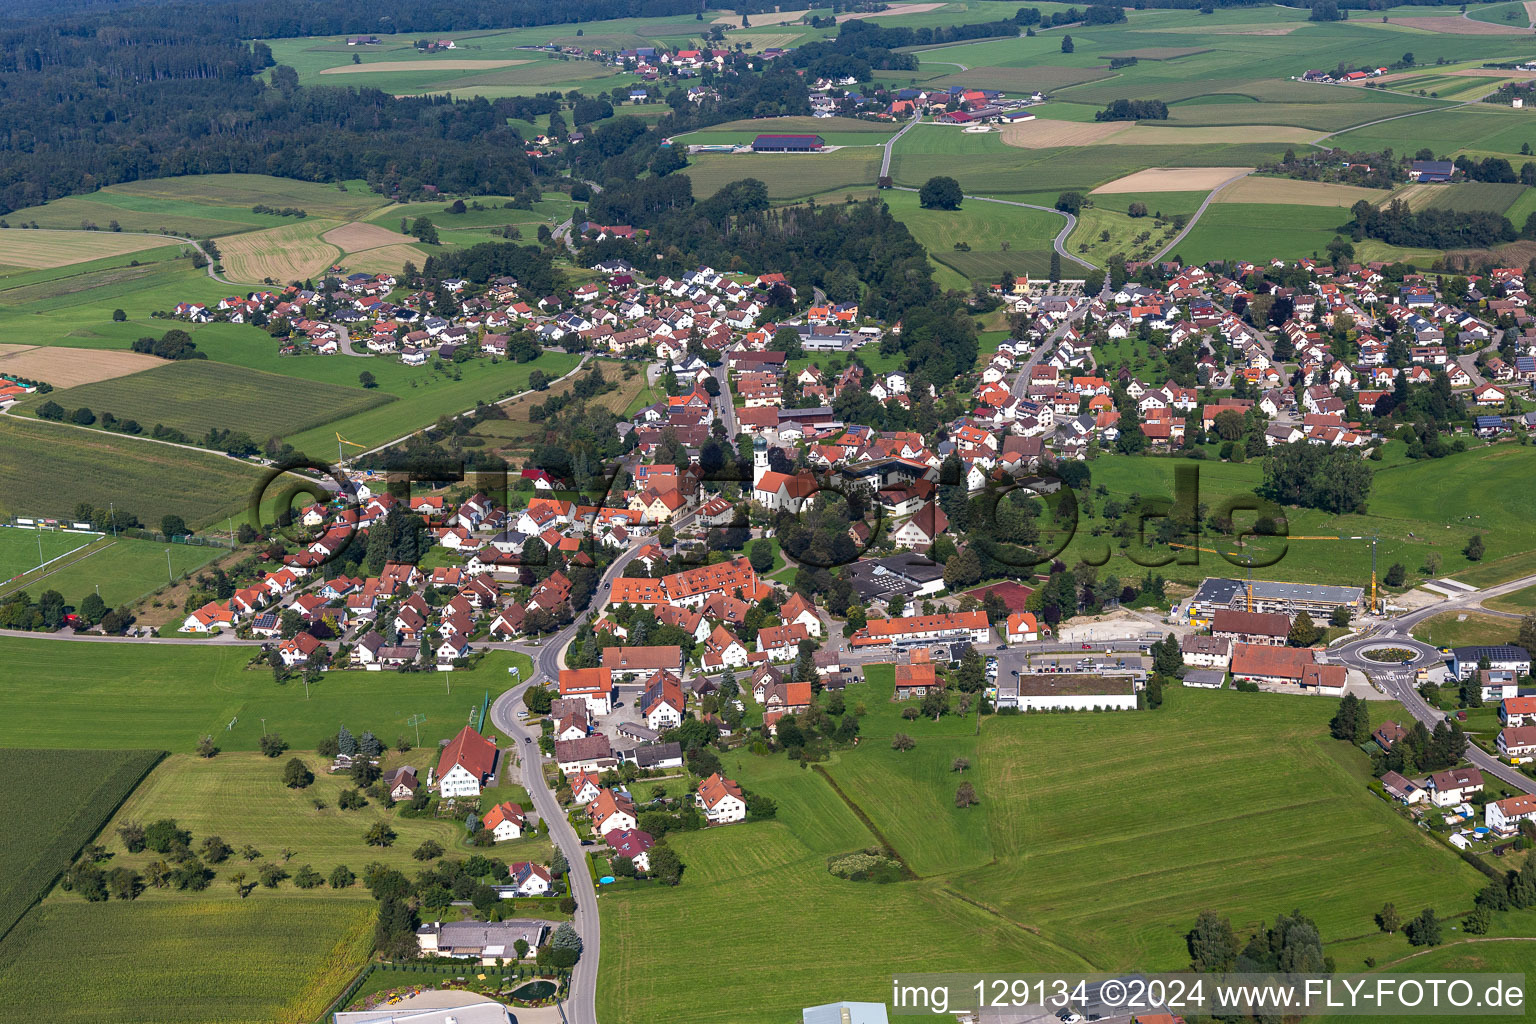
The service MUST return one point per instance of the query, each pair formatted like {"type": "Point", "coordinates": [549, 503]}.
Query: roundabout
{"type": "Point", "coordinates": [1392, 652]}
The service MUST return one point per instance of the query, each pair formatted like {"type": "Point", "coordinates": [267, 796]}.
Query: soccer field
{"type": "Point", "coordinates": [22, 549]}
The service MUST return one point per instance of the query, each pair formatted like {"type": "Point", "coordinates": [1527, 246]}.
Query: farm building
{"type": "Point", "coordinates": [1431, 170]}
{"type": "Point", "coordinates": [788, 144]}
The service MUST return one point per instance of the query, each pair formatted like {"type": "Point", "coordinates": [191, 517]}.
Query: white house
{"type": "Point", "coordinates": [529, 879]}
{"type": "Point", "coordinates": [1505, 816]}
{"type": "Point", "coordinates": [721, 800]}
{"type": "Point", "coordinates": [505, 821]}
{"type": "Point", "coordinates": [466, 763]}
{"type": "Point", "coordinates": [1447, 789]}
{"type": "Point", "coordinates": [1023, 628]}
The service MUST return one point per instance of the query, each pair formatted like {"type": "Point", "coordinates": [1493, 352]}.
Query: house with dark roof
{"type": "Point", "coordinates": [788, 144]}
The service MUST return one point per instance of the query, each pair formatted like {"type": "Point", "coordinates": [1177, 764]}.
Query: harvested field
{"type": "Point", "coordinates": [770, 18]}
{"type": "Point", "coordinates": [1172, 179]}
{"type": "Point", "coordinates": [392, 258]}
{"type": "Point", "coordinates": [1042, 134]}
{"type": "Point", "coordinates": [356, 236]}
{"type": "Point", "coordinates": [42, 248]}
{"type": "Point", "coordinates": [291, 252]}
{"type": "Point", "coordinates": [1530, 10]}
{"type": "Point", "coordinates": [1457, 26]}
{"type": "Point", "coordinates": [422, 65]}
{"type": "Point", "coordinates": [1157, 135]}
{"type": "Point", "coordinates": [70, 367]}
{"type": "Point", "coordinates": [1160, 52]}
{"type": "Point", "coordinates": [1238, 30]}
{"type": "Point", "coordinates": [1297, 193]}
{"type": "Point", "coordinates": [1492, 73]}
{"type": "Point", "coordinates": [891, 12]}
{"type": "Point", "coordinates": [1417, 197]}
{"type": "Point", "coordinates": [1021, 79]}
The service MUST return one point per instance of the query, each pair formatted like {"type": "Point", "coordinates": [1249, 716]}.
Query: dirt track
{"type": "Point", "coordinates": [421, 65]}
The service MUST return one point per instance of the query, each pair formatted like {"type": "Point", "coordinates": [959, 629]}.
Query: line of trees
{"type": "Point", "coordinates": [1133, 110]}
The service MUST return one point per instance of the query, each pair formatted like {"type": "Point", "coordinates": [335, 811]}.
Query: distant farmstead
{"type": "Point", "coordinates": [788, 144]}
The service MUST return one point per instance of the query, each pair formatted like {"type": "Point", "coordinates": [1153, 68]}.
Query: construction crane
{"type": "Point", "coordinates": [341, 441]}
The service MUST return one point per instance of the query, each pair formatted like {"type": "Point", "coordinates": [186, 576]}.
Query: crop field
{"type": "Point", "coordinates": [70, 796]}
{"type": "Point", "coordinates": [1018, 878]}
{"type": "Point", "coordinates": [294, 252]}
{"type": "Point", "coordinates": [1287, 191]}
{"type": "Point", "coordinates": [429, 64]}
{"type": "Point", "coordinates": [197, 395]}
{"type": "Point", "coordinates": [121, 569]}
{"type": "Point", "coordinates": [1171, 179]}
{"type": "Point", "coordinates": [985, 164]}
{"type": "Point", "coordinates": [94, 466]}
{"type": "Point", "coordinates": [480, 212]}
{"type": "Point", "coordinates": [19, 548]}
{"type": "Point", "coordinates": [801, 125]}
{"type": "Point", "coordinates": [52, 248]}
{"type": "Point", "coordinates": [787, 175]}
{"type": "Point", "coordinates": [65, 367]}
{"type": "Point", "coordinates": [213, 960]}
{"type": "Point", "coordinates": [199, 793]}
{"type": "Point", "coordinates": [111, 696]}
{"type": "Point", "coordinates": [1475, 197]}
{"type": "Point", "coordinates": [1479, 127]}
{"type": "Point", "coordinates": [357, 236]}
{"type": "Point", "coordinates": [1041, 77]}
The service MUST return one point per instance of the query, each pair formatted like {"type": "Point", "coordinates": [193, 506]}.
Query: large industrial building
{"type": "Point", "coordinates": [1316, 599]}
{"type": "Point", "coordinates": [788, 144]}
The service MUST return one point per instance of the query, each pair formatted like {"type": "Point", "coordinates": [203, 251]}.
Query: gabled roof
{"type": "Point", "coordinates": [474, 752]}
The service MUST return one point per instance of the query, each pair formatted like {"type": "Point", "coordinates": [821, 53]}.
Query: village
{"type": "Point", "coordinates": [679, 624]}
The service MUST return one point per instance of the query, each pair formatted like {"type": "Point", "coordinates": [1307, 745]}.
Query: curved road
{"type": "Point", "coordinates": [581, 1003]}
{"type": "Point", "coordinates": [1059, 242]}
{"type": "Point", "coordinates": [1189, 225]}
{"type": "Point", "coordinates": [1398, 682]}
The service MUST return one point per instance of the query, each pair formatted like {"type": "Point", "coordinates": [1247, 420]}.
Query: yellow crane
{"type": "Point", "coordinates": [341, 441]}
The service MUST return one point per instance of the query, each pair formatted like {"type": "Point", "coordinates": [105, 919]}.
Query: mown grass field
{"type": "Point", "coordinates": [121, 570]}
{"type": "Point", "coordinates": [1520, 601]}
{"type": "Point", "coordinates": [1073, 862]}
{"type": "Point", "coordinates": [112, 696]}
{"type": "Point", "coordinates": [1458, 629]}
{"type": "Point", "coordinates": [203, 205]}
{"type": "Point", "coordinates": [1260, 230]}
{"type": "Point", "coordinates": [46, 249]}
{"type": "Point", "coordinates": [198, 395]}
{"type": "Point", "coordinates": [425, 393]}
{"type": "Point", "coordinates": [787, 175]}
{"type": "Point", "coordinates": [199, 794]}
{"type": "Point", "coordinates": [19, 548]}
{"type": "Point", "coordinates": [70, 796]}
{"type": "Point", "coordinates": [49, 468]}
{"type": "Point", "coordinates": [213, 960]}
{"type": "Point", "coordinates": [1407, 497]}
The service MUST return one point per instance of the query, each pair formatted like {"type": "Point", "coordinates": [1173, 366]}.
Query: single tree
{"type": "Point", "coordinates": [940, 193]}
{"type": "Point", "coordinates": [1474, 548]}
{"type": "Point", "coordinates": [901, 741]}
{"type": "Point", "coordinates": [959, 764]}
{"type": "Point", "coordinates": [1387, 919]}
{"type": "Point", "coordinates": [965, 795]}
{"type": "Point", "coordinates": [1066, 44]}
{"type": "Point", "coordinates": [296, 774]}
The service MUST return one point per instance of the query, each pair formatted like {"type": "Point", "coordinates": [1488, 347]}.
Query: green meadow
{"type": "Point", "coordinates": [1417, 507]}
{"type": "Point", "coordinates": [1072, 860]}
{"type": "Point", "coordinates": [110, 696]}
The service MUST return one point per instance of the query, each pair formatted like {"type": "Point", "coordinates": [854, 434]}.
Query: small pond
{"type": "Point", "coordinates": [534, 991]}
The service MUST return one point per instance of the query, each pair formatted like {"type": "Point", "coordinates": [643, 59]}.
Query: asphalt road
{"type": "Point", "coordinates": [1400, 683]}
{"type": "Point", "coordinates": [1190, 224]}
{"type": "Point", "coordinates": [890, 144]}
{"type": "Point", "coordinates": [581, 1003]}
{"type": "Point", "coordinates": [1059, 242]}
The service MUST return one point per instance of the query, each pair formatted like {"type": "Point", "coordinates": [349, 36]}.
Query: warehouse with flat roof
{"type": "Point", "coordinates": [788, 144]}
